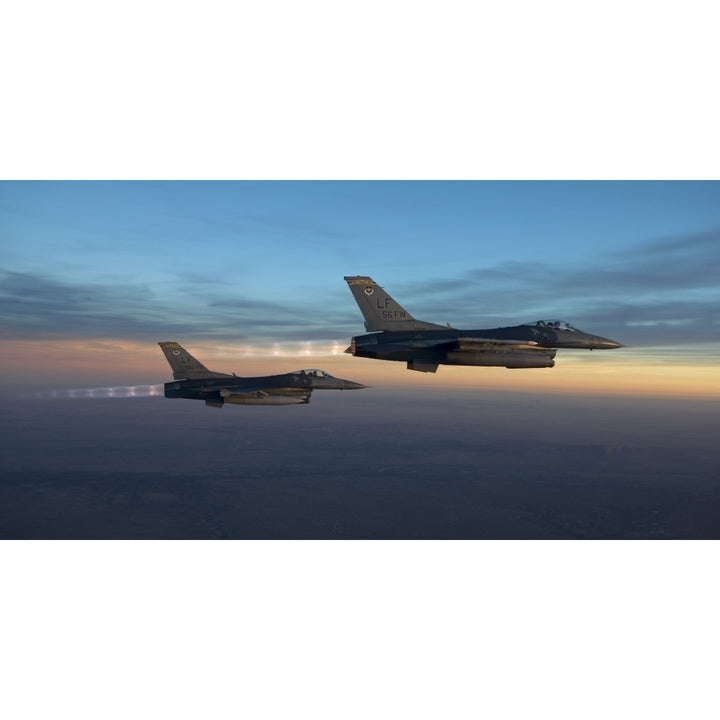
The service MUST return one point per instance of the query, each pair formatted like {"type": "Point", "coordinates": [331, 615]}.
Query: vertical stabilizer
{"type": "Point", "coordinates": [380, 311]}
{"type": "Point", "coordinates": [184, 365]}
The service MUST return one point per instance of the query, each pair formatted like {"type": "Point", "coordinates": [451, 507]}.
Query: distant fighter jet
{"type": "Point", "coordinates": [396, 335]}
{"type": "Point", "coordinates": [193, 380]}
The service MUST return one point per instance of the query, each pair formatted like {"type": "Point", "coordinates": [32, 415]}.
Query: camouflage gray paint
{"type": "Point", "coordinates": [194, 381]}
{"type": "Point", "coordinates": [394, 334]}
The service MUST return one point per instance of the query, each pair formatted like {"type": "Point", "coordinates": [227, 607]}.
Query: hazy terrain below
{"type": "Point", "coordinates": [370, 464]}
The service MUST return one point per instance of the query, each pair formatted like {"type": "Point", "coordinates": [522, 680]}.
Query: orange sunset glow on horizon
{"type": "Point", "coordinates": [60, 364]}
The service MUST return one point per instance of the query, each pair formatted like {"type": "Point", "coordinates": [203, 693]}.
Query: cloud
{"type": "Point", "coordinates": [36, 306]}
{"type": "Point", "coordinates": [657, 292]}
{"type": "Point", "coordinates": [32, 305]}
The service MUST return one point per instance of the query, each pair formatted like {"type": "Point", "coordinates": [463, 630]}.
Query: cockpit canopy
{"type": "Point", "coordinates": [552, 325]}
{"type": "Point", "coordinates": [314, 372]}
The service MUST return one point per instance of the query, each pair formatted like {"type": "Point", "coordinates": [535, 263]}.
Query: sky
{"type": "Point", "coordinates": [249, 275]}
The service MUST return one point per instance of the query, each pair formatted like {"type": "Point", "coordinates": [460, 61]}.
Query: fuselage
{"type": "Point", "coordinates": [520, 346]}
{"type": "Point", "coordinates": [294, 385]}
{"type": "Point", "coordinates": [544, 336]}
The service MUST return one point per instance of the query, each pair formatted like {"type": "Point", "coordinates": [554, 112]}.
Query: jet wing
{"type": "Point", "coordinates": [436, 343]}
{"type": "Point", "coordinates": [267, 392]}
{"type": "Point", "coordinates": [387, 348]}
{"type": "Point", "coordinates": [269, 396]}
{"type": "Point", "coordinates": [449, 343]}
{"type": "Point", "coordinates": [473, 343]}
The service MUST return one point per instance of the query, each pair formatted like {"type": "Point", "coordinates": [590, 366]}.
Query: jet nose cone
{"type": "Point", "coordinates": [333, 383]}
{"type": "Point", "coordinates": [350, 385]}
{"type": "Point", "coordinates": [602, 343]}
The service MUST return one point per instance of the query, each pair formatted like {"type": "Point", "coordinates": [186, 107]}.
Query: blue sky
{"type": "Point", "coordinates": [264, 261]}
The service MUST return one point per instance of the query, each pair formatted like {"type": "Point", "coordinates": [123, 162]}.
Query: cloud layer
{"type": "Point", "coordinates": [664, 291]}
{"type": "Point", "coordinates": [661, 291]}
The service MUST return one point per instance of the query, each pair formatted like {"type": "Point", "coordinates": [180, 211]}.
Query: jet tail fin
{"type": "Point", "coordinates": [184, 365]}
{"type": "Point", "coordinates": [380, 311]}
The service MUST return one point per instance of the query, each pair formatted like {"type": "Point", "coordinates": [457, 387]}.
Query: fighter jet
{"type": "Point", "coordinates": [193, 380]}
{"type": "Point", "coordinates": [396, 335]}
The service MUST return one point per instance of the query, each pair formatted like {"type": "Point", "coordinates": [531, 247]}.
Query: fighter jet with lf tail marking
{"type": "Point", "coordinates": [394, 334]}
{"type": "Point", "coordinates": [194, 381]}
